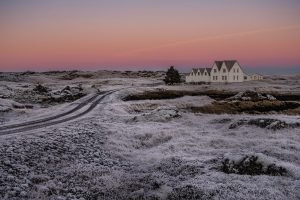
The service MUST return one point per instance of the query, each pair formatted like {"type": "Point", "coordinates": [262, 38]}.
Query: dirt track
{"type": "Point", "coordinates": [50, 121]}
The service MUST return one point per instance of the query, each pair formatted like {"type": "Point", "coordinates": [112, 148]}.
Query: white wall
{"type": "Point", "coordinates": [214, 73]}
{"type": "Point", "coordinates": [205, 78]}
{"type": "Point", "coordinates": [198, 77]}
{"type": "Point", "coordinates": [256, 77]}
{"type": "Point", "coordinates": [236, 74]}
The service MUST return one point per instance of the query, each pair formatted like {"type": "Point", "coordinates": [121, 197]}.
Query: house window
{"type": "Point", "coordinates": [225, 77]}
{"type": "Point", "coordinates": [224, 70]}
{"type": "Point", "coordinates": [215, 70]}
{"type": "Point", "coordinates": [205, 73]}
{"type": "Point", "coordinates": [233, 77]}
{"type": "Point", "coordinates": [237, 70]}
{"type": "Point", "coordinates": [237, 77]}
{"type": "Point", "coordinates": [198, 73]}
{"type": "Point", "coordinates": [216, 78]}
{"type": "Point", "coordinates": [233, 70]}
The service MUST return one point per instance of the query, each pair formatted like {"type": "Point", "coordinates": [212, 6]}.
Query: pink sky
{"type": "Point", "coordinates": [43, 35]}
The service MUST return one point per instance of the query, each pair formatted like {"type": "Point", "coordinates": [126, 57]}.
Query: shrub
{"type": "Point", "coordinates": [252, 165]}
{"type": "Point", "coordinates": [172, 76]}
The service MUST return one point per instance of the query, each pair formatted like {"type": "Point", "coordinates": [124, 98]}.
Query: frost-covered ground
{"type": "Point", "coordinates": [151, 149]}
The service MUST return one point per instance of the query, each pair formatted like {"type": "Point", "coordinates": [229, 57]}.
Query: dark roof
{"type": "Point", "coordinates": [219, 64]}
{"type": "Point", "coordinates": [228, 63]}
{"type": "Point", "coordinates": [201, 70]}
{"type": "Point", "coordinates": [208, 70]}
{"type": "Point", "coordinates": [195, 71]}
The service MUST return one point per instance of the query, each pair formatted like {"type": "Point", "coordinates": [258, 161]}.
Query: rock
{"type": "Point", "coordinates": [23, 194]}
{"type": "Point", "coordinates": [251, 96]}
{"type": "Point", "coordinates": [67, 94]}
{"type": "Point", "coordinates": [270, 97]}
{"type": "Point", "coordinates": [36, 179]}
{"type": "Point", "coordinates": [237, 124]}
{"type": "Point", "coordinates": [40, 89]}
{"type": "Point", "coordinates": [161, 114]}
{"type": "Point", "coordinates": [272, 124]}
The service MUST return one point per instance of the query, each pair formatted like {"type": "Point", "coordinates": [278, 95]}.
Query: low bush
{"type": "Point", "coordinates": [252, 165]}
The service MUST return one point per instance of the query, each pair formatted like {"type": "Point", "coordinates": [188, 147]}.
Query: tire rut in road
{"type": "Point", "coordinates": [81, 105]}
{"type": "Point", "coordinates": [51, 123]}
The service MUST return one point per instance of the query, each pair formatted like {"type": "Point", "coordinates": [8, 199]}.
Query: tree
{"type": "Point", "coordinates": [172, 76]}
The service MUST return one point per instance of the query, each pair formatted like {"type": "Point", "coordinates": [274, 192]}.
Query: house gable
{"type": "Point", "coordinates": [194, 72]}
{"type": "Point", "coordinates": [221, 71]}
{"type": "Point", "coordinates": [219, 64]}
{"type": "Point", "coordinates": [214, 69]}
{"type": "Point", "coordinates": [229, 64]}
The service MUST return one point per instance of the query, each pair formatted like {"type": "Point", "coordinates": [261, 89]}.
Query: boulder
{"type": "Point", "coordinates": [40, 89]}
{"type": "Point", "coordinates": [250, 95]}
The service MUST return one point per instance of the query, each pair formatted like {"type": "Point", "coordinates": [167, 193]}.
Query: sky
{"type": "Point", "coordinates": [147, 34]}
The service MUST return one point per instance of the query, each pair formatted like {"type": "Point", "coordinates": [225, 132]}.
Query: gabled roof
{"type": "Point", "coordinates": [219, 64]}
{"type": "Point", "coordinates": [228, 63]}
{"type": "Point", "coordinates": [208, 70]}
{"type": "Point", "coordinates": [201, 70]}
{"type": "Point", "coordinates": [195, 70]}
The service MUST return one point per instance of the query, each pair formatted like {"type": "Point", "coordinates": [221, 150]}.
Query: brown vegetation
{"type": "Point", "coordinates": [172, 94]}
{"type": "Point", "coordinates": [249, 107]}
{"type": "Point", "coordinates": [215, 94]}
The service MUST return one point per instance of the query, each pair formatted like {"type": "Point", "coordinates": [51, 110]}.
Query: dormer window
{"type": "Point", "coordinates": [215, 70]}
{"type": "Point", "coordinates": [205, 73]}
{"type": "Point", "coordinates": [237, 70]}
{"type": "Point", "coordinates": [224, 70]}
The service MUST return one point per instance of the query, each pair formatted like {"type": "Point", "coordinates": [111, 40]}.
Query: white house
{"type": "Point", "coordinates": [256, 77]}
{"type": "Point", "coordinates": [228, 71]}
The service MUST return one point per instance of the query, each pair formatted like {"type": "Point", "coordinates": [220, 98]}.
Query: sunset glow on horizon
{"type": "Point", "coordinates": [85, 35]}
